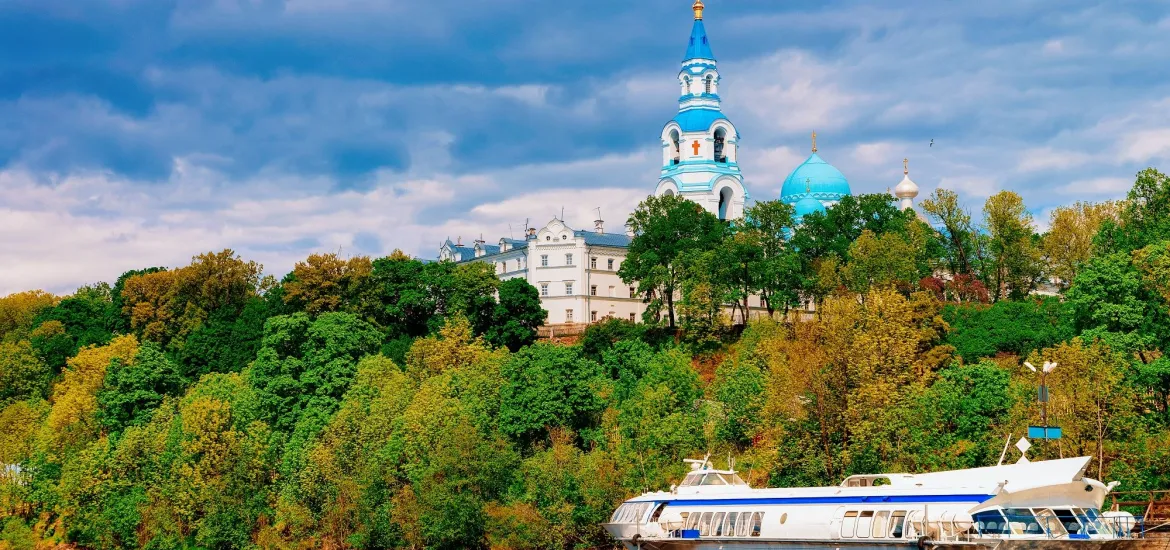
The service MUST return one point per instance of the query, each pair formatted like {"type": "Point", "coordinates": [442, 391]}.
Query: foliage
{"type": "Point", "coordinates": [391, 403]}
{"type": "Point", "coordinates": [1006, 327]}
{"type": "Point", "coordinates": [517, 316]}
{"type": "Point", "coordinates": [665, 229]}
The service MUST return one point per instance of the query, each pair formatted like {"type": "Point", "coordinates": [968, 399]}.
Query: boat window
{"type": "Point", "coordinates": [717, 525]}
{"type": "Point", "coordinates": [714, 479]}
{"type": "Point", "coordinates": [1069, 520]}
{"type": "Point", "coordinates": [879, 524]}
{"type": "Point", "coordinates": [1103, 526]}
{"type": "Point", "coordinates": [705, 525]}
{"type": "Point", "coordinates": [1050, 522]}
{"type": "Point", "coordinates": [897, 520]}
{"type": "Point", "coordinates": [1092, 526]}
{"type": "Point", "coordinates": [990, 522]}
{"type": "Point", "coordinates": [864, 524]}
{"type": "Point", "coordinates": [693, 521]}
{"type": "Point", "coordinates": [1022, 522]}
{"type": "Point", "coordinates": [741, 525]}
{"type": "Point", "coordinates": [690, 479]}
{"type": "Point", "coordinates": [617, 513]}
{"type": "Point", "coordinates": [657, 512]}
{"type": "Point", "coordinates": [849, 525]}
{"type": "Point", "coordinates": [734, 479]}
{"type": "Point", "coordinates": [730, 529]}
{"type": "Point", "coordinates": [757, 521]}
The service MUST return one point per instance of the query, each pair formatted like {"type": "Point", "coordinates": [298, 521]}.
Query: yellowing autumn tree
{"type": "Point", "coordinates": [1069, 240]}
{"type": "Point", "coordinates": [71, 421]}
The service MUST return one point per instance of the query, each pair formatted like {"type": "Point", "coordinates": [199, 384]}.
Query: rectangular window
{"type": "Point", "coordinates": [611, 292]}
{"type": "Point", "coordinates": [849, 525]}
{"type": "Point", "coordinates": [610, 261]}
{"type": "Point", "coordinates": [757, 522]}
{"type": "Point", "coordinates": [568, 289]}
{"type": "Point", "coordinates": [705, 525]}
{"type": "Point", "coordinates": [568, 316]}
{"type": "Point", "coordinates": [568, 259]}
{"type": "Point", "coordinates": [864, 524]}
{"type": "Point", "coordinates": [879, 524]}
{"type": "Point", "coordinates": [717, 525]}
{"type": "Point", "coordinates": [544, 289]}
{"type": "Point", "coordinates": [633, 317]}
{"type": "Point", "coordinates": [544, 260]}
{"type": "Point", "coordinates": [593, 290]}
{"type": "Point", "coordinates": [897, 520]}
{"type": "Point", "coordinates": [633, 292]}
{"type": "Point", "coordinates": [593, 316]}
{"type": "Point", "coordinates": [730, 529]}
{"type": "Point", "coordinates": [592, 263]}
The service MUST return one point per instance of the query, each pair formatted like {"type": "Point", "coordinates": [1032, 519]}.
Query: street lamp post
{"type": "Point", "coordinates": [1048, 367]}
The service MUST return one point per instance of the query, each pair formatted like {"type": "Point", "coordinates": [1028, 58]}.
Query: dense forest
{"type": "Point", "coordinates": [394, 403]}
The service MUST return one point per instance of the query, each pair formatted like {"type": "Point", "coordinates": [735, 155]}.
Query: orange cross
{"type": "Point", "coordinates": [696, 146]}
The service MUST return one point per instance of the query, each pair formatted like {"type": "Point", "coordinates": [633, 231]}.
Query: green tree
{"type": "Point", "coordinates": [1013, 267]}
{"type": "Point", "coordinates": [548, 386]}
{"type": "Point", "coordinates": [980, 330]}
{"type": "Point", "coordinates": [517, 316]}
{"type": "Point", "coordinates": [132, 390]}
{"type": "Point", "coordinates": [1109, 301]}
{"type": "Point", "coordinates": [665, 228]}
{"type": "Point", "coordinates": [760, 251]}
{"type": "Point", "coordinates": [1144, 217]}
{"type": "Point", "coordinates": [959, 234]}
{"type": "Point", "coordinates": [305, 365]}
{"type": "Point", "coordinates": [80, 320]}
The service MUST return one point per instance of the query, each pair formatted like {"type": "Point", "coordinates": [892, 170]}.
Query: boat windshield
{"type": "Point", "coordinates": [712, 478]}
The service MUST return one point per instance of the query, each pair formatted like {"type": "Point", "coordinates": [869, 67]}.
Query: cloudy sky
{"type": "Point", "coordinates": [142, 132]}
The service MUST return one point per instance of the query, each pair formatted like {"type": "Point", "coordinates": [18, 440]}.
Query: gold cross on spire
{"type": "Point", "coordinates": [905, 167]}
{"type": "Point", "coordinates": [814, 136]}
{"type": "Point", "coordinates": [698, 7]}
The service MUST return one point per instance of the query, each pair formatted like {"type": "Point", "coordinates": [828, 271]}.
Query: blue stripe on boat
{"type": "Point", "coordinates": [882, 499]}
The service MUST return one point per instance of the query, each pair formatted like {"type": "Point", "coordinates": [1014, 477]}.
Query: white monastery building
{"type": "Point", "coordinates": [575, 270]}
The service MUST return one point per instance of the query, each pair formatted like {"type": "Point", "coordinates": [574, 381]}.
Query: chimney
{"type": "Point", "coordinates": [480, 240]}
{"type": "Point", "coordinates": [599, 226]}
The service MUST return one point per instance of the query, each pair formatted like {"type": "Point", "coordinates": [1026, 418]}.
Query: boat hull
{"type": "Point", "coordinates": [1007, 544]}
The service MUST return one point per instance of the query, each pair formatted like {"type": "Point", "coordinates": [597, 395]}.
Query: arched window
{"type": "Point", "coordinates": [710, 83]}
{"type": "Point", "coordinates": [674, 151]}
{"type": "Point", "coordinates": [720, 137]}
{"type": "Point", "coordinates": [725, 196]}
{"type": "Point", "coordinates": [686, 85]}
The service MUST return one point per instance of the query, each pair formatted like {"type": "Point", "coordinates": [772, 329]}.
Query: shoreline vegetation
{"type": "Point", "coordinates": [391, 403]}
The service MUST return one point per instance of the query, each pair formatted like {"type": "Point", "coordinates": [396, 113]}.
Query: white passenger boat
{"type": "Point", "coordinates": [1044, 504]}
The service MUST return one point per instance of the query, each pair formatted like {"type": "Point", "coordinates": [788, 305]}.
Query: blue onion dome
{"type": "Point", "coordinates": [806, 206]}
{"type": "Point", "coordinates": [817, 179]}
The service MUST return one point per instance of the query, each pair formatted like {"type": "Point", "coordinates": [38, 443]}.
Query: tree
{"type": "Point", "coordinates": [943, 206]}
{"type": "Point", "coordinates": [1069, 241]}
{"type": "Point", "coordinates": [548, 386]}
{"type": "Point", "coordinates": [18, 311]}
{"type": "Point", "coordinates": [83, 319]}
{"type": "Point", "coordinates": [305, 365]}
{"type": "Point", "coordinates": [664, 229]}
{"type": "Point", "coordinates": [1014, 264]}
{"type": "Point", "coordinates": [71, 422]}
{"type": "Point", "coordinates": [978, 330]}
{"type": "Point", "coordinates": [1153, 262]}
{"type": "Point", "coordinates": [883, 261]}
{"type": "Point", "coordinates": [132, 390]}
{"type": "Point", "coordinates": [1145, 216]}
{"type": "Point", "coordinates": [1109, 301]}
{"type": "Point", "coordinates": [516, 316]}
{"type": "Point", "coordinates": [326, 282]}
{"type": "Point", "coordinates": [760, 249]}
{"type": "Point", "coordinates": [22, 373]}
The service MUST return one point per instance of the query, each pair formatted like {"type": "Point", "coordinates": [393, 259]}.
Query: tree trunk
{"type": "Point", "coordinates": [670, 303]}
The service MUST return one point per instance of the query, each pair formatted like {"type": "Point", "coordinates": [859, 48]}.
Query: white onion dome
{"type": "Point", "coordinates": [906, 189]}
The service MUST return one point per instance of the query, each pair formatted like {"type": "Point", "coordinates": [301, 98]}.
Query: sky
{"type": "Point", "coordinates": [139, 133]}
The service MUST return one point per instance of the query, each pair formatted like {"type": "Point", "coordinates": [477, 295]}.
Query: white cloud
{"type": "Point", "coordinates": [1048, 158]}
{"type": "Point", "coordinates": [1114, 187]}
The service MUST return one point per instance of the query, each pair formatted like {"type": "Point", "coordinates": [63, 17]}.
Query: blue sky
{"type": "Point", "coordinates": [142, 132]}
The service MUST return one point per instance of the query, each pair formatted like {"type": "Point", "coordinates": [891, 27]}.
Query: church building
{"type": "Point", "coordinates": [575, 270]}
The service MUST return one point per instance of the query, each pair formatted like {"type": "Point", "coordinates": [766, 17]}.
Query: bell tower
{"type": "Point", "coordinates": [700, 145]}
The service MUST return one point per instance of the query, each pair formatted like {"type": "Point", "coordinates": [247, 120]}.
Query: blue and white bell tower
{"type": "Point", "coordinates": [699, 145]}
